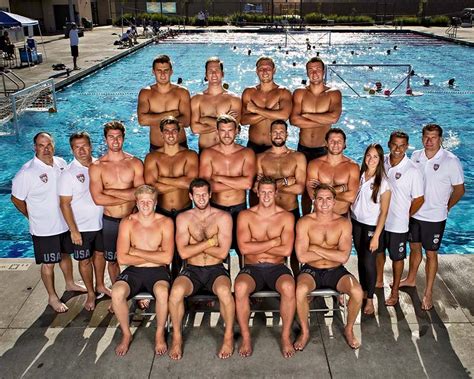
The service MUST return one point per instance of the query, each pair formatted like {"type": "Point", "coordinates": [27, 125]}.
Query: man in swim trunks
{"type": "Point", "coordinates": [114, 178]}
{"type": "Point", "coordinates": [265, 234]}
{"type": "Point", "coordinates": [212, 102]}
{"type": "Point", "coordinates": [406, 183]}
{"type": "Point", "coordinates": [230, 168]}
{"type": "Point", "coordinates": [315, 108]}
{"type": "Point", "coordinates": [323, 245]}
{"type": "Point", "coordinates": [82, 215]}
{"type": "Point", "coordinates": [335, 169]}
{"type": "Point", "coordinates": [161, 100]}
{"type": "Point", "coordinates": [170, 169]}
{"type": "Point", "coordinates": [145, 244]}
{"type": "Point", "coordinates": [262, 104]}
{"type": "Point", "coordinates": [203, 237]}
{"type": "Point", "coordinates": [35, 195]}
{"type": "Point", "coordinates": [288, 168]}
{"type": "Point", "coordinates": [444, 187]}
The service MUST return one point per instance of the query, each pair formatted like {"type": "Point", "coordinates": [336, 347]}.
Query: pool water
{"type": "Point", "coordinates": [111, 93]}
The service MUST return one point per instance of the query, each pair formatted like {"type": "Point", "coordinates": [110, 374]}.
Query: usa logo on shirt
{"type": "Point", "coordinates": [436, 166]}
{"type": "Point", "coordinates": [398, 175]}
{"type": "Point", "coordinates": [44, 178]}
{"type": "Point", "coordinates": [81, 178]}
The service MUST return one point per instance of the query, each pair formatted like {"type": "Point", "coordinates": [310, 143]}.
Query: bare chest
{"type": "Point", "coordinates": [278, 166]}
{"type": "Point", "coordinates": [117, 175]}
{"type": "Point", "coordinates": [163, 102]}
{"type": "Point", "coordinates": [315, 104]}
{"type": "Point", "coordinates": [171, 167]}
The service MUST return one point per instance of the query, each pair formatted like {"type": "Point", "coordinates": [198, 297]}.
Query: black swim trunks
{"type": "Point", "coordinates": [110, 228]}
{"type": "Point", "coordinates": [312, 152]}
{"type": "Point", "coordinates": [257, 148]}
{"type": "Point", "coordinates": [234, 211]}
{"type": "Point", "coordinates": [173, 213]}
{"type": "Point", "coordinates": [396, 244]}
{"type": "Point", "coordinates": [75, 51]}
{"type": "Point", "coordinates": [430, 234]}
{"type": "Point", "coordinates": [91, 241]}
{"type": "Point", "coordinates": [154, 147]}
{"type": "Point", "coordinates": [265, 275]}
{"type": "Point", "coordinates": [296, 213]}
{"type": "Point", "coordinates": [142, 279]}
{"type": "Point", "coordinates": [48, 249]}
{"type": "Point", "coordinates": [203, 277]}
{"type": "Point", "coordinates": [325, 277]}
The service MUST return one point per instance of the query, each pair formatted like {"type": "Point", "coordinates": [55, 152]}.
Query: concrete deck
{"type": "Point", "coordinates": [403, 341]}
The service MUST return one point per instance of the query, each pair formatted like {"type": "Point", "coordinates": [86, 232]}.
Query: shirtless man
{"type": "Point", "coordinates": [264, 103]}
{"type": "Point", "coordinates": [336, 170]}
{"type": "Point", "coordinates": [315, 108]}
{"type": "Point", "coordinates": [288, 168]}
{"type": "Point", "coordinates": [161, 100]}
{"type": "Point", "coordinates": [214, 101]}
{"type": "Point", "coordinates": [265, 235]}
{"type": "Point", "coordinates": [113, 180]}
{"type": "Point", "coordinates": [323, 244]}
{"type": "Point", "coordinates": [170, 170]}
{"type": "Point", "coordinates": [230, 168]}
{"type": "Point", "coordinates": [203, 237]}
{"type": "Point", "coordinates": [145, 244]}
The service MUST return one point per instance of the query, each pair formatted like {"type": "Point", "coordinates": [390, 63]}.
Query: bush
{"type": "Point", "coordinates": [314, 18]}
{"type": "Point", "coordinates": [440, 20]}
{"type": "Point", "coordinates": [319, 18]}
{"type": "Point", "coordinates": [408, 20]}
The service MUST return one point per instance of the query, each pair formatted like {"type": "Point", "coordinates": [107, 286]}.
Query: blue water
{"type": "Point", "coordinates": [111, 93]}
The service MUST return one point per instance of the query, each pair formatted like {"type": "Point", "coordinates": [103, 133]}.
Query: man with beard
{"type": "Point", "coordinates": [170, 169]}
{"type": "Point", "coordinates": [263, 104]}
{"type": "Point", "coordinates": [288, 168]}
{"type": "Point", "coordinates": [114, 178]}
{"type": "Point", "coordinates": [266, 233]}
{"type": "Point", "coordinates": [230, 168]}
{"type": "Point", "coordinates": [163, 99]}
{"type": "Point", "coordinates": [212, 102]}
{"type": "Point", "coordinates": [335, 169]}
{"type": "Point", "coordinates": [203, 238]}
{"type": "Point", "coordinates": [315, 108]}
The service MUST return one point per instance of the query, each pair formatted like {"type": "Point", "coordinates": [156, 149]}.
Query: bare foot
{"type": "Point", "coordinates": [104, 291]}
{"type": "Point", "coordinates": [245, 349]}
{"type": "Point", "coordinates": [74, 287]}
{"type": "Point", "coordinates": [407, 283]}
{"type": "Point", "coordinates": [57, 305]}
{"type": "Point", "coordinates": [123, 346]}
{"type": "Point", "coordinates": [379, 285]}
{"type": "Point", "coordinates": [369, 309]}
{"type": "Point", "coordinates": [426, 303]}
{"type": "Point", "coordinates": [392, 300]}
{"type": "Point", "coordinates": [90, 302]}
{"type": "Point", "coordinates": [176, 351]}
{"type": "Point", "coordinates": [301, 341]}
{"type": "Point", "coordinates": [160, 343]}
{"type": "Point", "coordinates": [287, 348]}
{"type": "Point", "coordinates": [143, 304]}
{"type": "Point", "coordinates": [350, 338]}
{"type": "Point", "coordinates": [227, 348]}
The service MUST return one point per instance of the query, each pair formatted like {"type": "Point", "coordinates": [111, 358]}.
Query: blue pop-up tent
{"type": "Point", "coordinates": [9, 20]}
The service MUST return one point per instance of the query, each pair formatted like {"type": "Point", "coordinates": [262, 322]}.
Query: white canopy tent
{"type": "Point", "coordinates": [8, 20]}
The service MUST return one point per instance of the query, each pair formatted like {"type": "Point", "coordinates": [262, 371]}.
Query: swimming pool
{"type": "Point", "coordinates": [111, 93]}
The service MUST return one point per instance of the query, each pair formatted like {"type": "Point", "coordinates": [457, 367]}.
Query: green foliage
{"type": "Point", "coordinates": [319, 18]}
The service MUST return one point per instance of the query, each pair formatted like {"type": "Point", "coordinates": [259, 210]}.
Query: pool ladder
{"type": "Point", "coordinates": [452, 31]}
{"type": "Point", "coordinates": [10, 77]}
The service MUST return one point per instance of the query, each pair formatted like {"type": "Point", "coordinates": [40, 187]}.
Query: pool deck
{"type": "Point", "coordinates": [401, 341]}
{"type": "Point", "coordinates": [96, 49]}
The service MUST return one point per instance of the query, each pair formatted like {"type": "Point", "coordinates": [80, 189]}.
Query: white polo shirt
{"type": "Point", "coordinates": [406, 183]}
{"type": "Point", "coordinates": [440, 173]}
{"type": "Point", "coordinates": [364, 210]}
{"type": "Point", "coordinates": [74, 182]}
{"type": "Point", "coordinates": [37, 184]}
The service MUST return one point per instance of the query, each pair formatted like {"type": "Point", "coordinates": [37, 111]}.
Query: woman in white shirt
{"type": "Point", "coordinates": [369, 212]}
